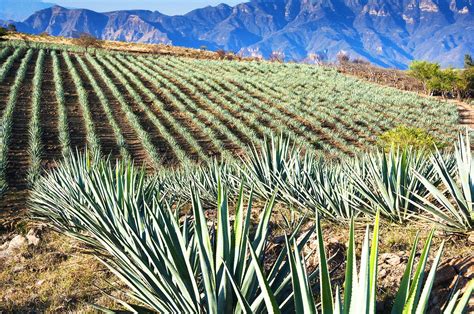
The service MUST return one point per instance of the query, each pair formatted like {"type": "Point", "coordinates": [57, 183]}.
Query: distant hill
{"type": "Point", "coordinates": [18, 10]}
{"type": "Point", "coordinates": [388, 33]}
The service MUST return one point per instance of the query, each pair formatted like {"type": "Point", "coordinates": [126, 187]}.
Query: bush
{"type": "Point", "coordinates": [88, 41]}
{"type": "Point", "coordinates": [3, 31]}
{"type": "Point", "coordinates": [466, 83]}
{"type": "Point", "coordinates": [406, 137]}
{"type": "Point", "coordinates": [11, 28]}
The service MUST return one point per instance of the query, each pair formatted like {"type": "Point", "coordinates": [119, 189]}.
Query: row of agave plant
{"type": "Point", "coordinates": [173, 262]}
{"type": "Point", "coordinates": [403, 185]}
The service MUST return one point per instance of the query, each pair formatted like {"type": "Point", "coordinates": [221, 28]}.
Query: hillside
{"type": "Point", "coordinates": [163, 111]}
{"type": "Point", "coordinates": [386, 33]}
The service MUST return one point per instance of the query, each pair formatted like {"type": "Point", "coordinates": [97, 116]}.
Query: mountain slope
{"type": "Point", "coordinates": [389, 33]}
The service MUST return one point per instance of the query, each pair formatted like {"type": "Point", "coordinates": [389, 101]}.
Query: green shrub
{"type": "Point", "coordinates": [3, 31]}
{"type": "Point", "coordinates": [406, 137]}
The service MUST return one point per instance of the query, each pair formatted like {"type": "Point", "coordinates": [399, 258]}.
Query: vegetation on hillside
{"type": "Point", "coordinates": [404, 137]}
{"type": "Point", "coordinates": [157, 112]}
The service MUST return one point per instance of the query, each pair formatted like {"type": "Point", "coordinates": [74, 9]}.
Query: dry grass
{"type": "Point", "coordinates": [55, 276]}
{"type": "Point", "coordinates": [125, 46]}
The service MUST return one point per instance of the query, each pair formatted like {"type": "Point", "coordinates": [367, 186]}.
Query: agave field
{"type": "Point", "coordinates": [167, 111]}
{"type": "Point", "coordinates": [171, 170]}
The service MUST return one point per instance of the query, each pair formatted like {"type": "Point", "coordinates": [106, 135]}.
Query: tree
{"type": "Point", "coordinates": [87, 41]}
{"type": "Point", "coordinates": [3, 31]}
{"type": "Point", "coordinates": [277, 56]}
{"type": "Point", "coordinates": [342, 57]}
{"type": "Point", "coordinates": [221, 53]}
{"type": "Point", "coordinates": [11, 28]}
{"type": "Point", "coordinates": [468, 62]}
{"type": "Point", "coordinates": [465, 84]}
{"type": "Point", "coordinates": [444, 82]}
{"type": "Point", "coordinates": [424, 71]}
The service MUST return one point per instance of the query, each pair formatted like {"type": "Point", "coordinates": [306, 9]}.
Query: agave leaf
{"type": "Point", "coordinates": [205, 254]}
{"type": "Point", "coordinates": [222, 247]}
{"type": "Point", "coordinates": [244, 305]}
{"type": "Point", "coordinates": [351, 271]}
{"type": "Point", "coordinates": [374, 252]}
{"type": "Point", "coordinates": [325, 281]}
{"type": "Point", "coordinates": [418, 277]}
{"type": "Point", "coordinates": [463, 303]}
{"type": "Point", "coordinates": [425, 294]}
{"type": "Point", "coordinates": [269, 298]}
{"type": "Point", "coordinates": [404, 289]}
{"type": "Point", "coordinates": [303, 297]}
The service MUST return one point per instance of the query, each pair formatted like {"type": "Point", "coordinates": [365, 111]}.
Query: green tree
{"type": "Point", "coordinates": [465, 84]}
{"type": "Point", "coordinates": [11, 28]}
{"type": "Point", "coordinates": [468, 62]}
{"type": "Point", "coordinates": [424, 71]}
{"type": "Point", "coordinates": [444, 82]}
{"type": "Point", "coordinates": [3, 31]}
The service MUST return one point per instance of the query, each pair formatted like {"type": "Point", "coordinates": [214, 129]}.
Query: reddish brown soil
{"type": "Point", "coordinates": [102, 127]}
{"type": "Point", "coordinates": [157, 140]}
{"type": "Point", "coordinates": [49, 116]}
{"type": "Point", "coordinates": [134, 146]}
{"type": "Point", "coordinates": [76, 125]}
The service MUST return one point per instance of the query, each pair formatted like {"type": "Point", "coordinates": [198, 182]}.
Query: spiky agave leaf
{"type": "Point", "coordinates": [455, 197]}
{"type": "Point", "coordinates": [170, 264]}
{"type": "Point", "coordinates": [390, 182]}
{"type": "Point", "coordinates": [266, 167]}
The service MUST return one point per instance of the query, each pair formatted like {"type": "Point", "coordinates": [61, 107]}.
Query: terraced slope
{"type": "Point", "coordinates": [166, 111]}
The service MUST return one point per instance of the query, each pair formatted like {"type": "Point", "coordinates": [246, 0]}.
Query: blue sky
{"type": "Point", "coordinates": [164, 6]}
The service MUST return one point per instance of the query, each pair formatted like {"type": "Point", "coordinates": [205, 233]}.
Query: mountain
{"type": "Point", "coordinates": [19, 10]}
{"type": "Point", "coordinates": [388, 33]}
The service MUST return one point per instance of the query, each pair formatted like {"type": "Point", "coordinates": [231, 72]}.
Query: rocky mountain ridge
{"type": "Point", "coordinates": [388, 33]}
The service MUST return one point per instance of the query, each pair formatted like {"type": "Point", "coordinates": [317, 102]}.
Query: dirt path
{"type": "Point", "coordinates": [466, 115]}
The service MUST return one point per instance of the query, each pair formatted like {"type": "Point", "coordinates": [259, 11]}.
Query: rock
{"type": "Point", "coordinates": [18, 268]}
{"type": "Point", "coordinates": [16, 243]}
{"type": "Point", "coordinates": [32, 237]}
{"type": "Point", "coordinates": [471, 237]}
{"type": "Point", "coordinates": [4, 246]}
{"type": "Point", "coordinates": [391, 259]}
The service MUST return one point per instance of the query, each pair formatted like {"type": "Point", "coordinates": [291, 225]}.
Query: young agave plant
{"type": "Point", "coordinates": [455, 197]}
{"type": "Point", "coordinates": [266, 168]}
{"type": "Point", "coordinates": [204, 179]}
{"type": "Point", "coordinates": [319, 186]}
{"type": "Point", "coordinates": [389, 183]}
{"type": "Point", "coordinates": [170, 263]}
{"type": "Point", "coordinates": [360, 286]}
